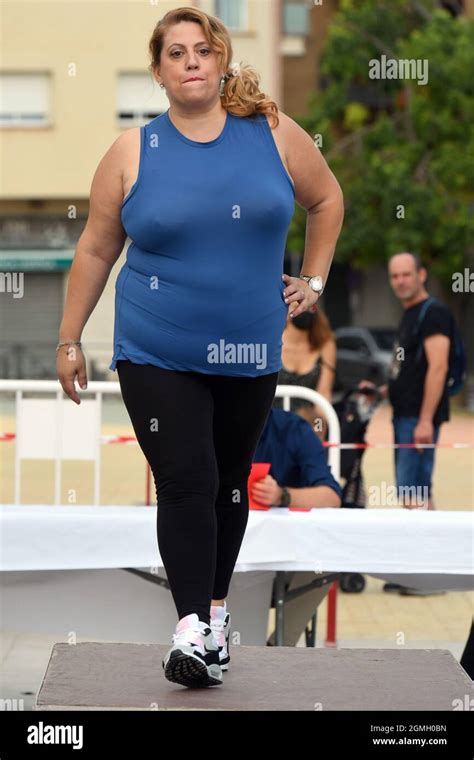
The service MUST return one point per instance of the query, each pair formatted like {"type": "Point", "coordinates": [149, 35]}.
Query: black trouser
{"type": "Point", "coordinates": [199, 434]}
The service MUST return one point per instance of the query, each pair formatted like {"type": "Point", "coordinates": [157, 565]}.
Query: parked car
{"type": "Point", "coordinates": [363, 353]}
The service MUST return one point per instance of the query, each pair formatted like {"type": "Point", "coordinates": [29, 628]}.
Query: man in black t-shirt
{"type": "Point", "coordinates": [407, 375]}
{"type": "Point", "coordinates": [417, 383]}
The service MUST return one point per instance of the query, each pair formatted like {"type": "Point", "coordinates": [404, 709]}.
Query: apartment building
{"type": "Point", "coordinates": [72, 77]}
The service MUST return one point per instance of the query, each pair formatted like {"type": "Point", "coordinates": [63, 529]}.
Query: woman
{"type": "Point", "coordinates": [309, 360]}
{"type": "Point", "coordinates": [206, 193]}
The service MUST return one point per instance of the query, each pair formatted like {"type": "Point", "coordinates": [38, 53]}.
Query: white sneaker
{"type": "Point", "coordinates": [220, 625]}
{"type": "Point", "coordinates": [193, 660]}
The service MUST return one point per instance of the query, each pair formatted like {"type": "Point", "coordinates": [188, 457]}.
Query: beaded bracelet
{"type": "Point", "coordinates": [68, 343]}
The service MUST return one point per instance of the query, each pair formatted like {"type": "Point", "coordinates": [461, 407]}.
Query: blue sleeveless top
{"type": "Point", "coordinates": [201, 288]}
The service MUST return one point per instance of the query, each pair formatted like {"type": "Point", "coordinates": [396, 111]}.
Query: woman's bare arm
{"type": "Point", "coordinates": [318, 191]}
{"type": "Point", "coordinates": [100, 243]}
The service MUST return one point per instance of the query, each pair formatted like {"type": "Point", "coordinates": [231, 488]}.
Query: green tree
{"type": "Point", "coordinates": [395, 143]}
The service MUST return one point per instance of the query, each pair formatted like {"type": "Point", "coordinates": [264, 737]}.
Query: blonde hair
{"type": "Point", "coordinates": [242, 95]}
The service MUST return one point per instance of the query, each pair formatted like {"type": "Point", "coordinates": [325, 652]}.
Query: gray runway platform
{"type": "Point", "coordinates": [127, 676]}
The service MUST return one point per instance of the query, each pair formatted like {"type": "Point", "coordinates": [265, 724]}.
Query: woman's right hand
{"type": "Point", "coordinates": [71, 365]}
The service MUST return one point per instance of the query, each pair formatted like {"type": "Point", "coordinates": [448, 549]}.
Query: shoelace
{"type": "Point", "coordinates": [217, 627]}
{"type": "Point", "coordinates": [217, 624]}
{"type": "Point", "coordinates": [183, 636]}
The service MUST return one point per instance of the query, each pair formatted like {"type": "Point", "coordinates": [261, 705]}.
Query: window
{"type": "Point", "coordinates": [296, 18]}
{"type": "Point", "coordinates": [361, 346]}
{"type": "Point", "coordinates": [232, 12]}
{"type": "Point", "coordinates": [345, 343]}
{"type": "Point", "coordinates": [24, 99]}
{"type": "Point", "coordinates": [139, 99]}
{"type": "Point", "coordinates": [384, 338]}
{"type": "Point", "coordinates": [352, 343]}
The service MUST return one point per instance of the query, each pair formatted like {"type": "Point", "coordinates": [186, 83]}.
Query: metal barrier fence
{"type": "Point", "coordinates": [55, 428]}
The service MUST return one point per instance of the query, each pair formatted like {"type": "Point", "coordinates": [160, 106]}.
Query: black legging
{"type": "Point", "coordinates": [199, 434]}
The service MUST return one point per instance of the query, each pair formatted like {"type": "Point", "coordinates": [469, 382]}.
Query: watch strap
{"type": "Point", "coordinates": [307, 278]}
{"type": "Point", "coordinates": [285, 497]}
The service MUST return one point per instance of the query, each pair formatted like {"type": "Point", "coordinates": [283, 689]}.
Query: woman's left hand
{"type": "Point", "coordinates": [298, 291]}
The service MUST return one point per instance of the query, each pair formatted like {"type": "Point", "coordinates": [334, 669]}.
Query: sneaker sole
{"type": "Point", "coordinates": [188, 670]}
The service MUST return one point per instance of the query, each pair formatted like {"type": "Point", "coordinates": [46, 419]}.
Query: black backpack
{"type": "Point", "coordinates": [457, 353]}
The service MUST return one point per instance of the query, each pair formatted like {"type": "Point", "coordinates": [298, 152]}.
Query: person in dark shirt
{"type": "Point", "coordinates": [417, 384]}
{"type": "Point", "coordinates": [299, 476]}
{"type": "Point", "coordinates": [407, 380]}
{"type": "Point", "coordinates": [298, 465]}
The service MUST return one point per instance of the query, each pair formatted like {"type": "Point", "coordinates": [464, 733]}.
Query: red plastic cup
{"type": "Point", "coordinates": [259, 470]}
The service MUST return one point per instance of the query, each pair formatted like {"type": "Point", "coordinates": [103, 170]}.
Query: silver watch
{"type": "Point", "coordinates": [315, 283]}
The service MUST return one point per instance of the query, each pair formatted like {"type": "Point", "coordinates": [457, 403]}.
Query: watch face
{"type": "Point", "coordinates": [316, 283]}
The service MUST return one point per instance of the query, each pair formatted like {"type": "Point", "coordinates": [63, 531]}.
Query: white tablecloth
{"type": "Point", "coordinates": [392, 543]}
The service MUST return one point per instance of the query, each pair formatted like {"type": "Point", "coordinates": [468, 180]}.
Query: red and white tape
{"type": "Point", "coordinates": [131, 439]}
{"type": "Point", "coordinates": [398, 445]}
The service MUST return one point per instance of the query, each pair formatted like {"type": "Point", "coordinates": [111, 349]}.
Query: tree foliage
{"type": "Point", "coordinates": [403, 152]}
